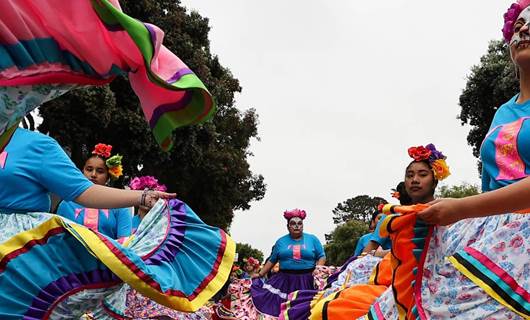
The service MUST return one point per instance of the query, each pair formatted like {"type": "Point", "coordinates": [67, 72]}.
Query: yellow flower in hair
{"type": "Point", "coordinates": [440, 169]}
{"type": "Point", "coordinates": [116, 171]}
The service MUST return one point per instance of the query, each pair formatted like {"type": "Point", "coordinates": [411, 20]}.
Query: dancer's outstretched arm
{"type": "Point", "coordinates": [511, 198]}
{"type": "Point", "coordinates": [104, 197]}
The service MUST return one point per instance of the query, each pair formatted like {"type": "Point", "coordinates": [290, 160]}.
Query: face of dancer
{"type": "Point", "coordinates": [249, 268]}
{"type": "Point", "coordinates": [420, 182]}
{"type": "Point", "coordinates": [520, 42]}
{"type": "Point", "coordinates": [96, 170]}
{"type": "Point", "coordinates": [296, 227]}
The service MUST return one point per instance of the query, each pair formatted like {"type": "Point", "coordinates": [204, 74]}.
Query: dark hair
{"type": "Point", "coordinates": [374, 215]}
{"type": "Point", "coordinates": [404, 198]}
{"type": "Point", "coordinates": [422, 161]}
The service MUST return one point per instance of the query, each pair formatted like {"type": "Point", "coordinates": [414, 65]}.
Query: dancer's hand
{"type": "Point", "coordinates": [150, 197]}
{"type": "Point", "coordinates": [443, 212]}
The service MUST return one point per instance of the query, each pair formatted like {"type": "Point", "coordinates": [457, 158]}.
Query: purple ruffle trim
{"type": "Point", "coordinates": [67, 286]}
{"type": "Point", "coordinates": [173, 242]}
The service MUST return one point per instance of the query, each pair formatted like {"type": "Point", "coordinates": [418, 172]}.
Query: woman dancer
{"type": "Point", "coordinates": [50, 267]}
{"type": "Point", "coordinates": [99, 168]}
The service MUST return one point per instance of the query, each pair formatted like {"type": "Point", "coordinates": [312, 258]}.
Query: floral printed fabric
{"type": "Point", "coordinates": [357, 272]}
{"type": "Point", "coordinates": [140, 307]}
{"type": "Point", "coordinates": [241, 304]}
{"type": "Point", "coordinates": [446, 293]}
{"type": "Point", "coordinates": [16, 102]}
{"type": "Point", "coordinates": [321, 274]}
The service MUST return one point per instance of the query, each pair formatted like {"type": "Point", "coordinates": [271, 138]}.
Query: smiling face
{"type": "Point", "coordinates": [420, 182]}
{"type": "Point", "coordinates": [520, 42]}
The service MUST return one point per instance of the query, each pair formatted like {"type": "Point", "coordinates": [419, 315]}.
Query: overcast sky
{"type": "Point", "coordinates": [342, 89]}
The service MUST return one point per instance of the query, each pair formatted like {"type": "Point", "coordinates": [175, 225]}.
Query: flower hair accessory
{"type": "Point", "coordinates": [435, 158]}
{"type": "Point", "coordinates": [115, 167]}
{"type": "Point", "coordinates": [236, 270]}
{"type": "Point", "coordinates": [395, 194]}
{"type": "Point", "coordinates": [147, 183]}
{"type": "Point", "coordinates": [252, 261]}
{"type": "Point", "coordinates": [102, 150]}
{"type": "Point", "coordinates": [289, 214]}
{"type": "Point", "coordinates": [511, 16]}
{"type": "Point", "coordinates": [113, 163]}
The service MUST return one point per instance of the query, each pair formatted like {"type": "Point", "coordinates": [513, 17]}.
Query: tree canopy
{"type": "Point", "coordinates": [245, 250]}
{"type": "Point", "coordinates": [490, 84]}
{"type": "Point", "coordinates": [457, 191]}
{"type": "Point", "coordinates": [342, 241]}
{"type": "Point", "coordinates": [358, 208]}
{"type": "Point", "coordinates": [207, 166]}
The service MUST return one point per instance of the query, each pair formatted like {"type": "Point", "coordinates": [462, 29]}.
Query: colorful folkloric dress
{"type": "Point", "coordinates": [297, 260]}
{"type": "Point", "coordinates": [135, 222]}
{"type": "Point", "coordinates": [51, 267]}
{"type": "Point", "coordinates": [476, 268]}
{"type": "Point", "coordinates": [365, 276]}
{"type": "Point", "coordinates": [358, 274]}
{"type": "Point", "coordinates": [115, 223]}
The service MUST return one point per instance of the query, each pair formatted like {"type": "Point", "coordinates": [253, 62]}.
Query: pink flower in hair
{"type": "Point", "coordinates": [511, 16]}
{"type": "Point", "coordinates": [509, 20]}
{"type": "Point", "coordinates": [294, 213]}
{"type": "Point", "coordinates": [252, 261]}
{"type": "Point", "coordinates": [146, 182]}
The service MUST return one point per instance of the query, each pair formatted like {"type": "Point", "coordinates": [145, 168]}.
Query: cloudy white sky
{"type": "Point", "coordinates": [342, 89]}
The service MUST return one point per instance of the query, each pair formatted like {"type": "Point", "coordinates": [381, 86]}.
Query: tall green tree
{"type": "Point", "coordinates": [357, 208]}
{"type": "Point", "coordinates": [342, 241]}
{"type": "Point", "coordinates": [457, 191]}
{"type": "Point", "coordinates": [207, 166]}
{"type": "Point", "coordinates": [490, 84]}
{"type": "Point", "coordinates": [245, 251]}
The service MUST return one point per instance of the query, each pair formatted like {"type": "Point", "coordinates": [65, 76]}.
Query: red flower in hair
{"type": "Point", "coordinates": [419, 153]}
{"type": "Point", "coordinates": [102, 150]}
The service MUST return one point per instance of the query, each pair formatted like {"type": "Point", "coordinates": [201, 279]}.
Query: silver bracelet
{"type": "Point", "coordinates": [144, 195]}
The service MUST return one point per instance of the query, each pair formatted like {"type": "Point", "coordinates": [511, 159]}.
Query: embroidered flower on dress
{"type": "Point", "coordinates": [516, 242]}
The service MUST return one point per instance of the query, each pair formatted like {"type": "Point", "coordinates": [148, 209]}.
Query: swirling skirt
{"type": "Point", "coordinates": [259, 300]}
{"type": "Point", "coordinates": [474, 269]}
{"type": "Point", "coordinates": [356, 279]}
{"type": "Point", "coordinates": [53, 268]}
{"type": "Point", "coordinates": [268, 295]}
